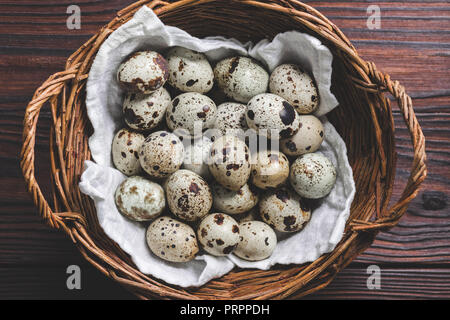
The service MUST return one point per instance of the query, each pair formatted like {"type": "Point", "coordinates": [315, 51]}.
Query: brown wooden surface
{"type": "Point", "coordinates": [413, 46]}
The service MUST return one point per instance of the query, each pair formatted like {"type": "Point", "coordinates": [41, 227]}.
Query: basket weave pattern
{"type": "Point", "coordinates": [363, 119]}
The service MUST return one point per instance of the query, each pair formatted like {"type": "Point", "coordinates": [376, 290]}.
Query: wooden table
{"type": "Point", "coordinates": [413, 46]}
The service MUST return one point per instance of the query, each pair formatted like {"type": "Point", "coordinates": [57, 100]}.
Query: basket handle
{"type": "Point", "coordinates": [418, 170]}
{"type": "Point", "coordinates": [50, 88]}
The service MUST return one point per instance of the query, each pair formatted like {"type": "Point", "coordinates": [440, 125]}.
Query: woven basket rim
{"type": "Point", "coordinates": [63, 91]}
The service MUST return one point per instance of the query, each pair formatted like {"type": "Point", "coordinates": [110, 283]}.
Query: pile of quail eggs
{"type": "Point", "coordinates": [234, 200]}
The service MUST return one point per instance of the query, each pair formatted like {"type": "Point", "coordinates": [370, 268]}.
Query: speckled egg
{"type": "Point", "coordinates": [218, 234]}
{"type": "Point", "coordinates": [172, 240]}
{"type": "Point", "coordinates": [308, 138]}
{"type": "Point", "coordinates": [229, 162]}
{"type": "Point", "coordinates": [241, 78]}
{"type": "Point", "coordinates": [270, 170]}
{"type": "Point", "coordinates": [196, 156]}
{"type": "Point", "coordinates": [284, 210]}
{"type": "Point", "coordinates": [144, 112]}
{"type": "Point", "coordinates": [234, 202]}
{"type": "Point", "coordinates": [267, 111]}
{"type": "Point", "coordinates": [231, 119]}
{"type": "Point", "coordinates": [296, 86]}
{"type": "Point", "coordinates": [143, 72]}
{"type": "Point", "coordinates": [312, 176]}
{"type": "Point", "coordinates": [258, 241]}
{"type": "Point", "coordinates": [190, 71]}
{"type": "Point", "coordinates": [140, 199]}
{"type": "Point", "coordinates": [125, 151]}
{"type": "Point", "coordinates": [188, 195]}
{"type": "Point", "coordinates": [190, 108]}
{"type": "Point", "coordinates": [161, 154]}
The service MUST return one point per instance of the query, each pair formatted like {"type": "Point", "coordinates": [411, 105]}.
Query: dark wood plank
{"type": "Point", "coordinates": [49, 282]}
{"type": "Point", "coordinates": [402, 283]}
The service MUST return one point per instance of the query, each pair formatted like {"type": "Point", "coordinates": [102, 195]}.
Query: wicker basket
{"type": "Point", "coordinates": [363, 119]}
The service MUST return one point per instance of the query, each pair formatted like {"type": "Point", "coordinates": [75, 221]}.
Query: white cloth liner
{"type": "Point", "coordinates": [100, 179]}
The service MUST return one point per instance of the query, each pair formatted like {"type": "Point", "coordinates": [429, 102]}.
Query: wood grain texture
{"type": "Point", "coordinates": [413, 46]}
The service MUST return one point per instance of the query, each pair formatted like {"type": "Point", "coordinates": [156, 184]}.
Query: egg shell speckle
{"type": "Point", "coordinates": [144, 112]}
{"type": "Point", "coordinates": [267, 111]}
{"type": "Point", "coordinates": [189, 108]}
{"type": "Point", "coordinates": [125, 151]}
{"type": "Point", "coordinates": [241, 78]}
{"type": "Point", "coordinates": [257, 241]}
{"type": "Point", "coordinates": [270, 170]}
{"type": "Point", "coordinates": [230, 162]}
{"type": "Point", "coordinates": [140, 199]}
{"type": "Point", "coordinates": [161, 154]}
{"type": "Point", "coordinates": [188, 195]}
{"type": "Point", "coordinates": [296, 86]}
{"type": "Point", "coordinates": [284, 210]}
{"type": "Point", "coordinates": [231, 119]}
{"type": "Point", "coordinates": [218, 234]}
{"type": "Point", "coordinates": [189, 70]}
{"type": "Point", "coordinates": [172, 240]}
{"type": "Point", "coordinates": [312, 176]}
{"type": "Point", "coordinates": [234, 202]}
{"type": "Point", "coordinates": [143, 72]}
{"type": "Point", "coordinates": [308, 138]}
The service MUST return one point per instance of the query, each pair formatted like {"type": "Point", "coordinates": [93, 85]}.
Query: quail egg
{"type": "Point", "coordinates": [312, 176]}
{"type": "Point", "coordinates": [196, 156]}
{"type": "Point", "coordinates": [172, 240]}
{"type": "Point", "coordinates": [234, 202]}
{"type": "Point", "coordinates": [190, 71]}
{"type": "Point", "coordinates": [161, 154]}
{"type": "Point", "coordinates": [270, 170]}
{"type": "Point", "coordinates": [143, 72]}
{"type": "Point", "coordinates": [231, 119]}
{"type": "Point", "coordinates": [241, 78]}
{"type": "Point", "coordinates": [125, 151]}
{"type": "Point", "coordinates": [258, 241]}
{"type": "Point", "coordinates": [284, 210]}
{"type": "Point", "coordinates": [308, 138]}
{"type": "Point", "coordinates": [296, 86]}
{"type": "Point", "coordinates": [189, 109]}
{"type": "Point", "coordinates": [272, 116]}
{"type": "Point", "coordinates": [229, 162]}
{"type": "Point", "coordinates": [188, 195]}
{"type": "Point", "coordinates": [144, 112]}
{"type": "Point", "coordinates": [218, 234]}
{"type": "Point", "coordinates": [140, 199]}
